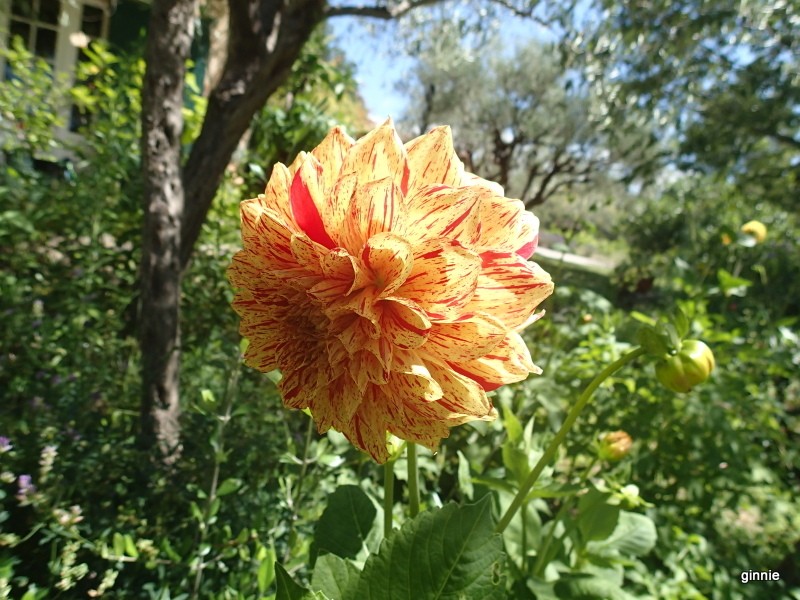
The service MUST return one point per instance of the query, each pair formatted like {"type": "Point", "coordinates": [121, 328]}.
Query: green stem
{"type": "Point", "coordinates": [552, 448]}
{"type": "Point", "coordinates": [222, 422]}
{"type": "Point", "coordinates": [413, 480]}
{"type": "Point", "coordinates": [551, 534]}
{"type": "Point", "coordinates": [388, 497]}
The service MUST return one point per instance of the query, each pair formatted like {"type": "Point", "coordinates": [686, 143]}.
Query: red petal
{"type": "Point", "coordinates": [305, 211]}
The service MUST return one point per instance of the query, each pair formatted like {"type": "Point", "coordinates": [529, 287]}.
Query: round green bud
{"type": "Point", "coordinates": [688, 367]}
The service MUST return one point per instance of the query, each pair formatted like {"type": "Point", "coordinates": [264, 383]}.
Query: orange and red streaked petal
{"type": "Point", "coordinates": [507, 227]}
{"type": "Point", "coordinates": [509, 362]}
{"type": "Point", "coordinates": [433, 160]}
{"type": "Point", "coordinates": [376, 207]}
{"type": "Point", "coordinates": [404, 323]}
{"type": "Point", "coordinates": [465, 339]}
{"type": "Point", "coordinates": [442, 211]}
{"type": "Point", "coordinates": [509, 288]}
{"type": "Point", "coordinates": [388, 260]}
{"type": "Point", "coordinates": [528, 235]}
{"type": "Point", "coordinates": [461, 395]}
{"type": "Point", "coordinates": [410, 381]}
{"type": "Point", "coordinates": [336, 403]}
{"type": "Point", "coordinates": [443, 278]}
{"type": "Point", "coordinates": [264, 234]}
{"type": "Point", "coordinates": [377, 155]}
{"type": "Point", "coordinates": [276, 194]}
{"type": "Point", "coordinates": [330, 153]}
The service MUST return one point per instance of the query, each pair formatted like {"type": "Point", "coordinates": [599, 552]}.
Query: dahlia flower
{"type": "Point", "coordinates": [388, 285]}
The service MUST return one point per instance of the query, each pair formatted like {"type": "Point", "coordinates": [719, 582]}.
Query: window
{"type": "Point", "coordinates": [55, 30]}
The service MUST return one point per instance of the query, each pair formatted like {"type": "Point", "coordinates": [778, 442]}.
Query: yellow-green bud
{"type": "Point", "coordinates": [691, 365]}
{"type": "Point", "coordinates": [614, 446]}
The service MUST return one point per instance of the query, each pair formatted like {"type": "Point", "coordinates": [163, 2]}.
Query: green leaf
{"type": "Point", "coordinates": [345, 523]}
{"type": "Point", "coordinates": [335, 577]}
{"type": "Point", "coordinates": [653, 341]}
{"type": "Point", "coordinates": [732, 285]}
{"type": "Point", "coordinates": [452, 552]}
{"type": "Point", "coordinates": [511, 424]}
{"type": "Point", "coordinates": [265, 575]}
{"type": "Point", "coordinates": [634, 535]}
{"type": "Point", "coordinates": [597, 519]}
{"type": "Point", "coordinates": [119, 544]}
{"type": "Point", "coordinates": [288, 589]}
{"type": "Point", "coordinates": [464, 478]}
{"type": "Point", "coordinates": [581, 586]}
{"type": "Point", "coordinates": [130, 547]}
{"type": "Point", "coordinates": [229, 486]}
{"type": "Point", "coordinates": [681, 322]}
{"type": "Point", "coordinates": [515, 460]}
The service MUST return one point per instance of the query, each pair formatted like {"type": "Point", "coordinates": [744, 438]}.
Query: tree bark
{"type": "Point", "coordinates": [169, 41]}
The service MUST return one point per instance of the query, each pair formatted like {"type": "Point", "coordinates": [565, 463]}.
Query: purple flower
{"type": "Point", "coordinates": [26, 488]}
{"type": "Point", "coordinates": [5, 444]}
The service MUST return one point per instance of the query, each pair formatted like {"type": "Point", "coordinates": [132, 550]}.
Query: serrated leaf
{"type": "Point", "coordinates": [345, 522]}
{"type": "Point", "coordinates": [452, 552]}
{"type": "Point", "coordinates": [335, 577]}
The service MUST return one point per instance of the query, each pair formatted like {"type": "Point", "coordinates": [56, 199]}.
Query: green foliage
{"type": "Point", "coordinates": [32, 103]}
{"type": "Point", "coordinates": [320, 94]}
{"type": "Point", "coordinates": [721, 85]}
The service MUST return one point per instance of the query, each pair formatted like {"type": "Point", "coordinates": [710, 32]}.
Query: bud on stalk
{"type": "Point", "coordinates": [688, 367]}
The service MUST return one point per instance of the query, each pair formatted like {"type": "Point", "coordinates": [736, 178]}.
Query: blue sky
{"type": "Point", "coordinates": [381, 60]}
{"type": "Point", "coordinates": [380, 64]}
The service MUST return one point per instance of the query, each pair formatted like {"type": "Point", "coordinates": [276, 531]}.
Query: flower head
{"type": "Point", "coordinates": [756, 229]}
{"type": "Point", "coordinates": [26, 489]}
{"type": "Point", "coordinates": [388, 285]}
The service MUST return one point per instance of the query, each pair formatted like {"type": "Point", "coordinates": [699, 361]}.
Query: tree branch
{"type": "Point", "coordinates": [376, 11]}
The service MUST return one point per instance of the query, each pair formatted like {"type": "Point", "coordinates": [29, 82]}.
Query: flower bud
{"type": "Point", "coordinates": [691, 365]}
{"type": "Point", "coordinates": [756, 229]}
{"type": "Point", "coordinates": [614, 446]}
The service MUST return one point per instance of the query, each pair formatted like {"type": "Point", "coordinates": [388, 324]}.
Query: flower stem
{"type": "Point", "coordinates": [541, 555]}
{"type": "Point", "coordinates": [388, 496]}
{"type": "Point", "coordinates": [413, 480]}
{"type": "Point", "coordinates": [552, 448]}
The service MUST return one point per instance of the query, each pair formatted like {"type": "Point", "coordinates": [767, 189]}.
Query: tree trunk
{"type": "Point", "coordinates": [265, 38]}
{"type": "Point", "coordinates": [169, 40]}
